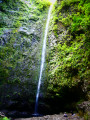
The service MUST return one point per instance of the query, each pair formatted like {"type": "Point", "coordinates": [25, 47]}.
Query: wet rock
{"type": "Point", "coordinates": [15, 114]}
{"type": "Point", "coordinates": [5, 37]}
{"type": "Point", "coordinates": [84, 106]}
{"type": "Point", "coordinates": [26, 31]}
{"type": "Point", "coordinates": [4, 111]}
{"type": "Point", "coordinates": [23, 30]}
{"type": "Point", "coordinates": [2, 114]}
{"type": "Point", "coordinates": [12, 113]}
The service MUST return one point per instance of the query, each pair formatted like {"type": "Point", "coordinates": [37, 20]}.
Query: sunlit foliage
{"type": "Point", "coordinates": [68, 62]}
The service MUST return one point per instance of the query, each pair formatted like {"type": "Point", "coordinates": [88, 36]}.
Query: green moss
{"type": "Point", "coordinates": [42, 4]}
{"type": "Point", "coordinates": [68, 60]}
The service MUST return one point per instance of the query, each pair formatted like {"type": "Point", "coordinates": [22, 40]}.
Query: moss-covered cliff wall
{"type": "Point", "coordinates": [22, 24]}
{"type": "Point", "coordinates": [68, 54]}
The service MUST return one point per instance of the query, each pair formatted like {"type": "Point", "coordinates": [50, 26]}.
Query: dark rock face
{"type": "Point", "coordinates": [21, 39]}
{"type": "Point", "coordinates": [84, 106]}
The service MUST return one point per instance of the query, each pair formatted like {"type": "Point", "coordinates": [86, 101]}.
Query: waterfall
{"type": "Point", "coordinates": [42, 60]}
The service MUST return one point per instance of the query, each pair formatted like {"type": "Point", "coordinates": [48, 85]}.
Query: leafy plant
{"type": "Point", "coordinates": [4, 118]}
{"type": "Point", "coordinates": [42, 4]}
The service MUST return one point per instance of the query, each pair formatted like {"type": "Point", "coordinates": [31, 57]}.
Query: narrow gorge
{"type": "Point", "coordinates": [44, 56]}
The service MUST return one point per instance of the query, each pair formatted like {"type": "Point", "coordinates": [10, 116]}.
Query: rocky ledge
{"type": "Point", "coordinates": [60, 116]}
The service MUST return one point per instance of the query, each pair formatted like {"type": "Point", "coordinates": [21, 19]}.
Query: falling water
{"type": "Point", "coordinates": [42, 60]}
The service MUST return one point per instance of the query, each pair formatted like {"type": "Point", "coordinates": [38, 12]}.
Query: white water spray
{"type": "Point", "coordinates": [43, 58]}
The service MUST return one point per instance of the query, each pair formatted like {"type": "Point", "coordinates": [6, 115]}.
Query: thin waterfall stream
{"type": "Point", "coordinates": [42, 59]}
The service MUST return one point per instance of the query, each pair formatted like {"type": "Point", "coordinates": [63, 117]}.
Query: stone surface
{"type": "Point", "coordinates": [54, 117]}
{"type": "Point", "coordinates": [84, 106]}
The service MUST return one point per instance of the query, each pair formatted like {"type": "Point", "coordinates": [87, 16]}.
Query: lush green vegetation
{"type": "Point", "coordinates": [13, 15]}
{"type": "Point", "coordinates": [4, 118]}
{"type": "Point", "coordinates": [68, 61]}
{"type": "Point", "coordinates": [42, 4]}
